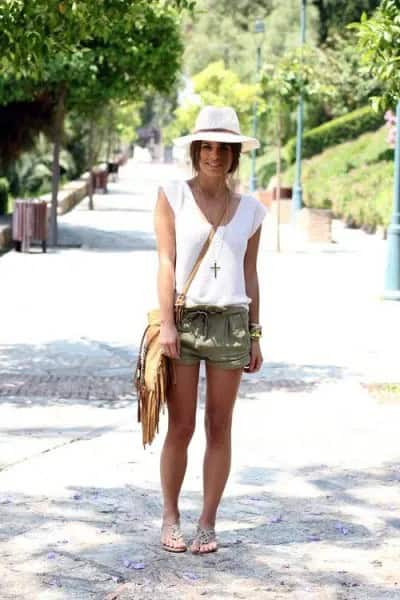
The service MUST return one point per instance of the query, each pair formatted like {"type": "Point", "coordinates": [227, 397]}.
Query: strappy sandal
{"type": "Point", "coordinates": [204, 535]}
{"type": "Point", "coordinates": [174, 534]}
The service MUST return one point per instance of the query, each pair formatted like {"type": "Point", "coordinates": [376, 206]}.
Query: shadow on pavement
{"type": "Point", "coordinates": [101, 374]}
{"type": "Point", "coordinates": [64, 372]}
{"type": "Point", "coordinates": [93, 238]}
{"type": "Point", "coordinates": [268, 543]}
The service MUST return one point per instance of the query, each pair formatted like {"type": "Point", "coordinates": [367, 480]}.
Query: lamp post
{"type": "Point", "coordinates": [392, 279]}
{"type": "Point", "coordinates": [259, 27]}
{"type": "Point", "coordinates": [297, 201]}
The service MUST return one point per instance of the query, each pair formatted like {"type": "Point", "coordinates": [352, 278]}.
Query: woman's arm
{"type": "Point", "coordinates": [250, 275]}
{"type": "Point", "coordinates": [164, 224]}
{"type": "Point", "coordinates": [252, 290]}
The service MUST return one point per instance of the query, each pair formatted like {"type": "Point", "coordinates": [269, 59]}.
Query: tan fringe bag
{"type": "Point", "coordinates": [154, 372]}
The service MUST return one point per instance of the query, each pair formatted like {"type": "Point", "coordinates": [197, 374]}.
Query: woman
{"type": "Point", "coordinates": [221, 317]}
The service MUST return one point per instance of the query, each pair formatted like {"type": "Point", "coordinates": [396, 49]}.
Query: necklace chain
{"type": "Point", "coordinates": [227, 198]}
{"type": "Point", "coordinates": [215, 268]}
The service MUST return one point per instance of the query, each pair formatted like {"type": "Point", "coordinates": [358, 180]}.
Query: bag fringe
{"type": "Point", "coordinates": [151, 401]}
{"type": "Point", "coordinates": [154, 375]}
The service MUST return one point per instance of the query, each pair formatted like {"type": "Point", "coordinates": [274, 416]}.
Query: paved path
{"type": "Point", "coordinates": [311, 510]}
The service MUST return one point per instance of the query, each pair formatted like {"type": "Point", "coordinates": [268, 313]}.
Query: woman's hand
{"type": "Point", "coordinates": [169, 340]}
{"type": "Point", "coordinates": [256, 358]}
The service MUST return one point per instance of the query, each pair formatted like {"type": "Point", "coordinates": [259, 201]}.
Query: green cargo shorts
{"type": "Point", "coordinates": [217, 334]}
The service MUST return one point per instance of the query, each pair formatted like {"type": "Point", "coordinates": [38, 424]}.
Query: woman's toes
{"type": "Point", "coordinates": [171, 537]}
{"type": "Point", "coordinates": [204, 548]}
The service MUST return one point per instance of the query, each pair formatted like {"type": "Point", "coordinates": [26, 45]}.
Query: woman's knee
{"type": "Point", "coordinates": [218, 431]}
{"type": "Point", "coordinates": [181, 432]}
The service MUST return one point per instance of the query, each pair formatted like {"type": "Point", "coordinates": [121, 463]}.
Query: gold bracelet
{"type": "Point", "coordinates": [255, 331]}
{"type": "Point", "coordinates": [255, 335]}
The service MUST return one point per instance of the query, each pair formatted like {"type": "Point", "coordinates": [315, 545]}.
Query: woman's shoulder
{"type": "Point", "coordinates": [174, 192]}
{"type": "Point", "coordinates": [172, 186]}
{"type": "Point", "coordinates": [256, 212]}
{"type": "Point", "coordinates": [253, 204]}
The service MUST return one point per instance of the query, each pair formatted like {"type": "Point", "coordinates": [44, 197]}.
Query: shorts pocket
{"type": "Point", "coordinates": [245, 321]}
{"type": "Point", "coordinates": [237, 328]}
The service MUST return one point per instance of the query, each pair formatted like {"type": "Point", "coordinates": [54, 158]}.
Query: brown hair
{"type": "Point", "coordinates": [195, 148]}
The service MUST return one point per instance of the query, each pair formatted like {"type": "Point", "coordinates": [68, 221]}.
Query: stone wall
{"type": "Point", "coordinates": [69, 195]}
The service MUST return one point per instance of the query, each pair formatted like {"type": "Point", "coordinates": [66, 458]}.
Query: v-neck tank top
{"type": "Point", "coordinates": [220, 279]}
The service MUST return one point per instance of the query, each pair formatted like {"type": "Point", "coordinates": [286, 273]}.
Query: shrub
{"type": "Point", "coordinates": [353, 179]}
{"type": "Point", "coordinates": [267, 171]}
{"type": "Point", "coordinates": [266, 166]}
{"type": "Point", "coordinates": [4, 188]}
{"type": "Point", "coordinates": [335, 132]}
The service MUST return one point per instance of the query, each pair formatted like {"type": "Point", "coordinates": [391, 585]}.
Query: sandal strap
{"type": "Point", "coordinates": [205, 535]}
{"type": "Point", "coordinates": [174, 531]}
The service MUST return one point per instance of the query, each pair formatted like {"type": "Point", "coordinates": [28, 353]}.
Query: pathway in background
{"type": "Point", "coordinates": [311, 507]}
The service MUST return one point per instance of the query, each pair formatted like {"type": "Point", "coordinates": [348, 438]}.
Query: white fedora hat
{"type": "Point", "coordinates": [218, 124]}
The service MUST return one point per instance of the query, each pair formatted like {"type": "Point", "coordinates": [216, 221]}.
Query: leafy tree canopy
{"type": "Point", "coordinates": [220, 35]}
{"type": "Point", "coordinates": [378, 39]}
{"type": "Point", "coordinates": [30, 32]}
{"type": "Point", "coordinates": [242, 12]}
{"type": "Point", "coordinates": [136, 46]}
{"type": "Point", "coordinates": [334, 15]}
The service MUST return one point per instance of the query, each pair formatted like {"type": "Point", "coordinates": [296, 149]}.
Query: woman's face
{"type": "Point", "coordinates": [215, 158]}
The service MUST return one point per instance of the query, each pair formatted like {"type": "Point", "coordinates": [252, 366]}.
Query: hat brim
{"type": "Point", "coordinates": [248, 143]}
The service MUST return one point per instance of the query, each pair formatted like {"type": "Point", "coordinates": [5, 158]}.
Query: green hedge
{"type": "Point", "coordinates": [268, 170]}
{"type": "Point", "coordinates": [353, 179]}
{"type": "Point", "coordinates": [4, 189]}
{"type": "Point", "coordinates": [335, 132]}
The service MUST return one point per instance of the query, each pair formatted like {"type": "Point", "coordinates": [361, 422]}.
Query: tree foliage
{"type": "Point", "coordinates": [225, 31]}
{"type": "Point", "coordinates": [352, 88]}
{"type": "Point", "coordinates": [334, 15]}
{"type": "Point", "coordinates": [136, 46]}
{"type": "Point", "coordinates": [243, 12]}
{"type": "Point", "coordinates": [31, 32]}
{"type": "Point", "coordinates": [86, 53]}
{"type": "Point", "coordinates": [378, 38]}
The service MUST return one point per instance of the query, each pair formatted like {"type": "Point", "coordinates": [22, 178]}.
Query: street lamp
{"type": "Point", "coordinates": [392, 280]}
{"type": "Point", "coordinates": [259, 27]}
{"type": "Point", "coordinates": [297, 201]}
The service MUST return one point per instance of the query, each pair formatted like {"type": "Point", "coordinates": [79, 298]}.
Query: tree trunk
{"type": "Point", "coordinates": [278, 181]}
{"type": "Point", "coordinates": [57, 136]}
{"type": "Point", "coordinates": [91, 180]}
{"type": "Point", "coordinates": [110, 135]}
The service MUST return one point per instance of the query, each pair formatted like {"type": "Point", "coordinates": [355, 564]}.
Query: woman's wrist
{"type": "Point", "coordinates": [255, 330]}
{"type": "Point", "coordinates": [167, 322]}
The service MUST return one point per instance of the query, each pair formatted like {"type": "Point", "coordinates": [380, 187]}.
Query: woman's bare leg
{"type": "Point", "coordinates": [182, 401]}
{"type": "Point", "coordinates": [222, 388]}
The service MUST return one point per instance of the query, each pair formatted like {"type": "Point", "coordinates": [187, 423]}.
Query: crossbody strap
{"type": "Point", "coordinates": [180, 300]}
{"type": "Point", "coordinates": [202, 254]}
{"type": "Point", "coordinates": [197, 264]}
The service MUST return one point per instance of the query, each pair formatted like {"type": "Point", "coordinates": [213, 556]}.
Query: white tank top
{"type": "Point", "coordinates": [220, 278]}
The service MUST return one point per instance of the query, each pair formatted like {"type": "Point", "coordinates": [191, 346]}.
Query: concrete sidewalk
{"type": "Point", "coordinates": [311, 507]}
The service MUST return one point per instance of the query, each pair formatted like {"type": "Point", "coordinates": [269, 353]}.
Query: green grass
{"type": "Point", "coordinates": [384, 392]}
{"type": "Point", "coordinates": [261, 161]}
{"type": "Point", "coordinates": [353, 179]}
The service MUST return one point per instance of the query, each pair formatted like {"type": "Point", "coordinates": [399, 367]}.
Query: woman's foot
{"type": "Point", "coordinates": [171, 537]}
{"type": "Point", "coordinates": [204, 541]}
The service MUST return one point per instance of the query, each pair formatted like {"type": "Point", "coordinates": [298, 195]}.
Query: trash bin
{"type": "Point", "coordinates": [29, 223]}
{"type": "Point", "coordinates": [112, 168]}
{"type": "Point", "coordinates": [99, 180]}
